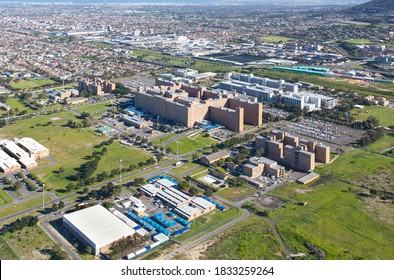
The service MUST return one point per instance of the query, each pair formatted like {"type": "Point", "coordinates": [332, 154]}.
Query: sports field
{"type": "Point", "coordinates": [187, 145]}
{"type": "Point", "coordinates": [385, 115]}
{"type": "Point", "coordinates": [31, 84]}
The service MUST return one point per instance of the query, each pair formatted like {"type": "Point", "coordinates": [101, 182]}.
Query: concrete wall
{"type": "Point", "coordinates": [322, 154]}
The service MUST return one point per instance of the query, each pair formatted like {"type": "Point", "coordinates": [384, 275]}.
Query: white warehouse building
{"type": "Point", "coordinates": [97, 227]}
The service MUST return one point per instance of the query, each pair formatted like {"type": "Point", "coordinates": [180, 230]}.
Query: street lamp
{"type": "Point", "coordinates": [177, 159]}
{"type": "Point", "coordinates": [120, 171]}
{"type": "Point", "coordinates": [43, 199]}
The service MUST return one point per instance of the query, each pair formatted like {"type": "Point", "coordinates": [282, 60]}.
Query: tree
{"type": "Point", "coordinates": [195, 156]}
{"type": "Point", "coordinates": [70, 187]}
{"type": "Point", "coordinates": [54, 207]}
{"type": "Point", "coordinates": [208, 192]}
{"type": "Point", "coordinates": [61, 204]}
{"type": "Point", "coordinates": [17, 185]}
{"type": "Point", "coordinates": [159, 157]}
{"type": "Point", "coordinates": [259, 152]}
{"type": "Point", "coordinates": [139, 181]}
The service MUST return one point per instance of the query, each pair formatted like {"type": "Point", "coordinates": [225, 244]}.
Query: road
{"type": "Point", "coordinates": [204, 238]}
{"type": "Point", "coordinates": [58, 238]}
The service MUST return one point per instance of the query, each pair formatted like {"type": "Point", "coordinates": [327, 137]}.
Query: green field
{"type": "Point", "coordinates": [336, 219]}
{"type": "Point", "coordinates": [185, 168]}
{"type": "Point", "coordinates": [4, 198]}
{"type": "Point", "coordinates": [385, 115]}
{"type": "Point", "coordinates": [362, 168]}
{"type": "Point", "coordinates": [187, 145]}
{"type": "Point", "coordinates": [31, 84]}
{"type": "Point", "coordinates": [6, 252]}
{"type": "Point", "coordinates": [251, 239]}
{"type": "Point", "coordinates": [387, 141]}
{"type": "Point", "coordinates": [30, 243]}
{"type": "Point", "coordinates": [274, 39]}
{"type": "Point", "coordinates": [236, 193]}
{"type": "Point", "coordinates": [209, 222]}
{"type": "Point", "coordinates": [95, 108]}
{"type": "Point", "coordinates": [358, 41]}
{"type": "Point", "coordinates": [23, 206]}
{"type": "Point", "coordinates": [162, 139]}
{"type": "Point", "coordinates": [69, 147]}
{"type": "Point", "coordinates": [15, 103]}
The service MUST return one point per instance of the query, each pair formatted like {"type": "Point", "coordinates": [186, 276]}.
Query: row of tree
{"type": "Point", "coordinates": [20, 223]}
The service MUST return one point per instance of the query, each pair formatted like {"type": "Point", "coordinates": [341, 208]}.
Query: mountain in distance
{"type": "Point", "coordinates": [375, 7]}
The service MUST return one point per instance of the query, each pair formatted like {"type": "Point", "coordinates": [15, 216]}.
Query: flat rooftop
{"type": "Point", "coordinates": [99, 225]}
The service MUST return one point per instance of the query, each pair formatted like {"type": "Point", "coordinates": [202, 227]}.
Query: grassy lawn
{"type": "Point", "coordinates": [23, 206]}
{"type": "Point", "coordinates": [251, 239]}
{"type": "Point", "coordinates": [335, 219]}
{"type": "Point", "coordinates": [363, 168]}
{"type": "Point", "coordinates": [162, 139]}
{"type": "Point", "coordinates": [382, 144]}
{"type": "Point", "coordinates": [184, 168]}
{"type": "Point", "coordinates": [69, 147]}
{"type": "Point", "coordinates": [4, 198]}
{"type": "Point", "coordinates": [236, 193]}
{"type": "Point", "coordinates": [358, 41]}
{"type": "Point", "coordinates": [383, 114]}
{"type": "Point", "coordinates": [274, 39]}
{"type": "Point", "coordinates": [6, 252]}
{"type": "Point", "coordinates": [95, 108]}
{"type": "Point", "coordinates": [193, 143]}
{"type": "Point", "coordinates": [30, 243]}
{"type": "Point", "coordinates": [116, 152]}
{"type": "Point", "coordinates": [31, 84]}
{"type": "Point", "coordinates": [15, 103]}
{"type": "Point", "coordinates": [209, 222]}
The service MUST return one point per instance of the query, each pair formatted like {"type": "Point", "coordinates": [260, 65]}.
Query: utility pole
{"type": "Point", "coordinates": [157, 123]}
{"type": "Point", "coordinates": [177, 159]}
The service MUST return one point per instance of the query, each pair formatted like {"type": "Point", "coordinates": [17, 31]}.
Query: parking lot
{"type": "Point", "coordinates": [324, 131]}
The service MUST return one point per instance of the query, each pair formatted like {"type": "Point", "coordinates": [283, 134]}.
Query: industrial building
{"type": "Point", "coordinates": [134, 121]}
{"type": "Point", "coordinates": [35, 149]}
{"type": "Point", "coordinates": [188, 105]}
{"type": "Point", "coordinates": [275, 91]}
{"type": "Point", "coordinates": [293, 152]}
{"type": "Point", "coordinates": [7, 163]}
{"type": "Point", "coordinates": [20, 153]}
{"type": "Point", "coordinates": [96, 86]}
{"type": "Point", "coordinates": [97, 227]}
{"type": "Point", "coordinates": [184, 205]}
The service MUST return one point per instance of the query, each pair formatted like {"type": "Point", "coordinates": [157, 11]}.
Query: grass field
{"type": "Point", "coordinates": [251, 239]}
{"type": "Point", "coordinates": [6, 252]}
{"type": "Point", "coordinates": [385, 115]}
{"type": "Point", "coordinates": [335, 219]}
{"type": "Point", "coordinates": [362, 168]}
{"type": "Point", "coordinates": [95, 108]}
{"type": "Point", "coordinates": [358, 41]}
{"type": "Point", "coordinates": [69, 147]}
{"type": "Point", "coordinates": [4, 198]}
{"type": "Point", "coordinates": [30, 243]}
{"type": "Point", "coordinates": [23, 206]}
{"type": "Point", "coordinates": [208, 222]}
{"type": "Point", "coordinates": [274, 39]}
{"type": "Point", "coordinates": [185, 168]}
{"type": "Point", "coordinates": [31, 84]}
{"type": "Point", "coordinates": [387, 141]}
{"type": "Point", "coordinates": [15, 103]}
{"type": "Point", "coordinates": [236, 193]}
{"type": "Point", "coordinates": [162, 139]}
{"type": "Point", "coordinates": [193, 143]}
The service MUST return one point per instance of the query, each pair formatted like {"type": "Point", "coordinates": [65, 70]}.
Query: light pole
{"type": "Point", "coordinates": [120, 171]}
{"type": "Point", "coordinates": [157, 123]}
{"type": "Point", "coordinates": [43, 197]}
{"type": "Point", "coordinates": [177, 159]}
